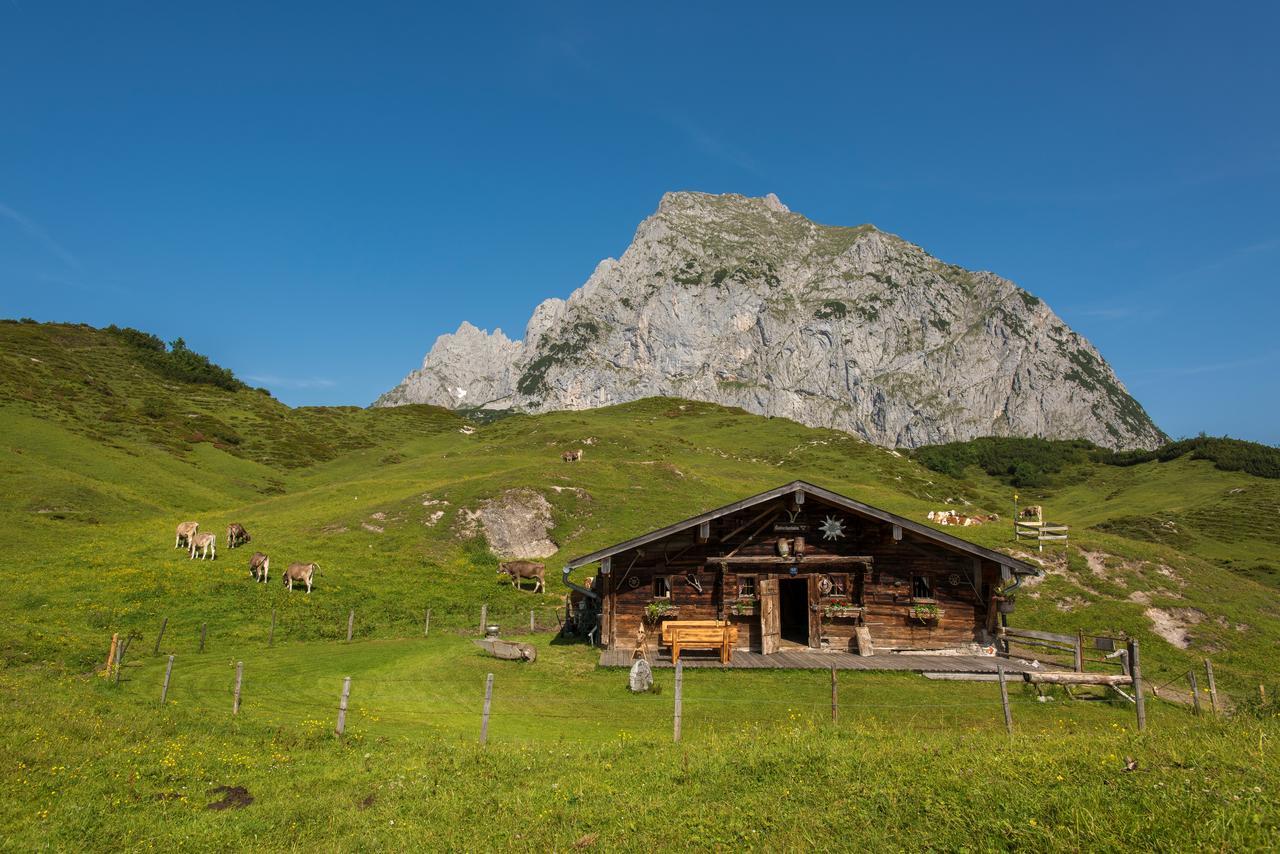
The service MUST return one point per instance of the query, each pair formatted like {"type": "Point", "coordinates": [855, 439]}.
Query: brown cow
{"type": "Point", "coordinates": [303, 573]}
{"type": "Point", "coordinates": [1031, 513]}
{"type": "Point", "coordinates": [186, 531]}
{"type": "Point", "coordinates": [519, 570]}
{"type": "Point", "coordinates": [237, 535]}
{"type": "Point", "coordinates": [259, 567]}
{"type": "Point", "coordinates": [572, 456]}
{"type": "Point", "coordinates": [206, 544]}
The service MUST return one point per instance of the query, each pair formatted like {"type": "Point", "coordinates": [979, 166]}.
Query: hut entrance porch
{"type": "Point", "coordinates": [793, 610]}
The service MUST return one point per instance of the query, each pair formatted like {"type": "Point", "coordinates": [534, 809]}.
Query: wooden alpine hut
{"type": "Point", "coordinates": [796, 568]}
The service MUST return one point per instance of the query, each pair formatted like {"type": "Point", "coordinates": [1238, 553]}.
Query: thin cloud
{"type": "Point", "coordinates": [291, 382]}
{"type": "Point", "coordinates": [33, 230]}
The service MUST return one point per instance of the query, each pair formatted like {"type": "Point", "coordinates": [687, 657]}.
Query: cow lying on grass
{"type": "Point", "coordinates": [259, 567]}
{"type": "Point", "coordinates": [303, 573]}
{"type": "Point", "coordinates": [206, 544]}
{"type": "Point", "coordinates": [186, 531]}
{"type": "Point", "coordinates": [519, 570]}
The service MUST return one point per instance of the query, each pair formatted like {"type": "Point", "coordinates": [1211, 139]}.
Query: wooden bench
{"type": "Point", "coordinates": [715, 635]}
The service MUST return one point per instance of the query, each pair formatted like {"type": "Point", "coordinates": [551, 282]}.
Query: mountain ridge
{"type": "Point", "coordinates": [739, 301]}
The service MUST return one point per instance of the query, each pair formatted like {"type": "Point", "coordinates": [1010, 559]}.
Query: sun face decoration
{"type": "Point", "coordinates": [832, 528]}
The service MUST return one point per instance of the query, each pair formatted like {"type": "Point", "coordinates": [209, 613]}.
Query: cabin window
{"type": "Point", "coordinates": [661, 587]}
{"type": "Point", "coordinates": [746, 585]}
{"type": "Point", "coordinates": [839, 584]}
{"type": "Point", "coordinates": [921, 587]}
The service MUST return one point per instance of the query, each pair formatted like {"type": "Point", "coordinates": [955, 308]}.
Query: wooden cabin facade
{"type": "Point", "coordinates": [800, 566]}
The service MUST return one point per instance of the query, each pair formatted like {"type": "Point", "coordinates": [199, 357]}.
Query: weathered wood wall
{"type": "Point", "coordinates": [961, 584]}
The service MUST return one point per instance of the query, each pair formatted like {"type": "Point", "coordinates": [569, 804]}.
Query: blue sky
{"type": "Point", "coordinates": [311, 192]}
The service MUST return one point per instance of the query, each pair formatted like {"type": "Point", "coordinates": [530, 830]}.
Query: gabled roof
{"type": "Point", "coordinates": [1017, 566]}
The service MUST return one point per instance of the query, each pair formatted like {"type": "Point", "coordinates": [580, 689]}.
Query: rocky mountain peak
{"type": "Point", "coordinates": [737, 300]}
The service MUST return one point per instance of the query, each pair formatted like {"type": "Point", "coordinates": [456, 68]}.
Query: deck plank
{"type": "Point", "coordinates": [818, 660]}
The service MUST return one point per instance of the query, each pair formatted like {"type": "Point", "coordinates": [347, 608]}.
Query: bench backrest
{"type": "Point", "coordinates": [669, 625]}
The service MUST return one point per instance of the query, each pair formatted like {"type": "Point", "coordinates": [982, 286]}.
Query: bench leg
{"type": "Point", "coordinates": [675, 652]}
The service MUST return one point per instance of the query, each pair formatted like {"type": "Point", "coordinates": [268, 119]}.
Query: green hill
{"type": "Point", "coordinates": [105, 451]}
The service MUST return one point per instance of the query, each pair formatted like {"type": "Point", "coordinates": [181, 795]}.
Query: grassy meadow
{"type": "Point", "coordinates": [103, 456]}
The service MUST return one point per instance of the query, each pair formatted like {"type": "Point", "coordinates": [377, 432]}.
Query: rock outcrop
{"type": "Point", "coordinates": [741, 302]}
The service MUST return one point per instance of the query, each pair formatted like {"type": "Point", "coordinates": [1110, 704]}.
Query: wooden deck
{"type": "Point", "coordinates": [802, 659]}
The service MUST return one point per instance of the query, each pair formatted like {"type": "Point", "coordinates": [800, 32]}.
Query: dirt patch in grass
{"type": "Point", "coordinates": [233, 798]}
{"type": "Point", "coordinates": [1174, 624]}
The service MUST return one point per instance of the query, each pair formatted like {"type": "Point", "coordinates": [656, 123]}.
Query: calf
{"type": "Point", "coordinates": [236, 535]}
{"type": "Point", "coordinates": [206, 544]}
{"type": "Point", "coordinates": [259, 567]}
{"type": "Point", "coordinates": [186, 531]}
{"type": "Point", "coordinates": [303, 573]}
{"type": "Point", "coordinates": [519, 570]}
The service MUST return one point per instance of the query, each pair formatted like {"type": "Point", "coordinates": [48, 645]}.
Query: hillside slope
{"type": "Point", "coordinates": [741, 302]}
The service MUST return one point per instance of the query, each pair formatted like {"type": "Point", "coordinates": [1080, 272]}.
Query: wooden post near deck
{"type": "Point", "coordinates": [1213, 686]}
{"type": "Point", "coordinates": [484, 715]}
{"type": "Point", "coordinates": [679, 698]}
{"type": "Point", "coordinates": [1195, 691]}
{"type": "Point", "coordinates": [164, 692]}
{"type": "Point", "coordinates": [1004, 699]}
{"type": "Point", "coordinates": [202, 631]}
{"type": "Point", "coordinates": [342, 707]}
{"type": "Point", "coordinates": [351, 624]}
{"type": "Point", "coordinates": [235, 703]}
{"type": "Point", "coordinates": [160, 635]}
{"type": "Point", "coordinates": [835, 699]}
{"type": "Point", "coordinates": [1135, 674]}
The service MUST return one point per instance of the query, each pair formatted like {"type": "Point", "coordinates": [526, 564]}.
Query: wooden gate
{"type": "Point", "coordinates": [770, 625]}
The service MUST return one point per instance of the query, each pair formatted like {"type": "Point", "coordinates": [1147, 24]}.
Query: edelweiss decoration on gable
{"type": "Point", "coordinates": [832, 528]}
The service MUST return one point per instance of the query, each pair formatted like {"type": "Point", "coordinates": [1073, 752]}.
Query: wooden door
{"type": "Point", "coordinates": [770, 625]}
{"type": "Point", "coordinates": [815, 611]}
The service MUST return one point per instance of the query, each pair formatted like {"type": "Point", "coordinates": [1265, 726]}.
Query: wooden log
{"type": "Point", "coordinates": [676, 721]}
{"type": "Point", "coordinates": [351, 624]}
{"type": "Point", "coordinates": [1195, 691]}
{"type": "Point", "coordinates": [202, 631]}
{"type": "Point", "coordinates": [484, 715]}
{"type": "Point", "coordinates": [835, 700]}
{"type": "Point", "coordinates": [271, 633]}
{"type": "Point", "coordinates": [160, 635]}
{"type": "Point", "coordinates": [235, 702]}
{"type": "Point", "coordinates": [1213, 686]}
{"type": "Point", "coordinates": [1004, 699]}
{"type": "Point", "coordinates": [168, 670]}
{"type": "Point", "coordinates": [1135, 673]}
{"type": "Point", "coordinates": [1070, 678]}
{"type": "Point", "coordinates": [342, 707]}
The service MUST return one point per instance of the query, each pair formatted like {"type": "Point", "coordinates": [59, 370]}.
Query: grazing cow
{"type": "Point", "coordinates": [572, 456]}
{"type": "Point", "coordinates": [237, 535]}
{"type": "Point", "coordinates": [1031, 513]}
{"type": "Point", "coordinates": [303, 573]}
{"type": "Point", "coordinates": [186, 531]}
{"type": "Point", "coordinates": [519, 570]}
{"type": "Point", "coordinates": [259, 567]}
{"type": "Point", "coordinates": [206, 544]}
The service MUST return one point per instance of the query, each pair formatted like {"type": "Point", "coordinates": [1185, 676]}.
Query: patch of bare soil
{"type": "Point", "coordinates": [1174, 624]}
{"type": "Point", "coordinates": [233, 798]}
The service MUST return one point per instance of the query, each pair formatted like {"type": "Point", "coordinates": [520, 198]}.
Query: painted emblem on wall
{"type": "Point", "coordinates": [832, 528]}
{"type": "Point", "coordinates": [633, 582]}
{"type": "Point", "coordinates": [954, 579]}
{"type": "Point", "coordinates": [825, 585]}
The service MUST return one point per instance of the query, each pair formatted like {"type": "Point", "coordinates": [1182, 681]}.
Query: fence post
{"type": "Point", "coordinates": [426, 624]}
{"type": "Point", "coordinates": [1195, 691]}
{"type": "Point", "coordinates": [1262, 693]}
{"type": "Point", "coordinates": [235, 703]}
{"type": "Point", "coordinates": [342, 707]}
{"type": "Point", "coordinates": [835, 697]}
{"type": "Point", "coordinates": [531, 624]}
{"type": "Point", "coordinates": [115, 642]}
{"type": "Point", "coordinates": [160, 635]}
{"type": "Point", "coordinates": [1213, 687]}
{"type": "Point", "coordinates": [1079, 651]}
{"type": "Point", "coordinates": [271, 635]}
{"type": "Point", "coordinates": [484, 618]}
{"type": "Point", "coordinates": [679, 699]}
{"type": "Point", "coordinates": [164, 692]}
{"type": "Point", "coordinates": [351, 624]}
{"type": "Point", "coordinates": [202, 630]}
{"type": "Point", "coordinates": [121, 649]}
{"type": "Point", "coordinates": [1135, 674]}
{"type": "Point", "coordinates": [1004, 699]}
{"type": "Point", "coordinates": [484, 716]}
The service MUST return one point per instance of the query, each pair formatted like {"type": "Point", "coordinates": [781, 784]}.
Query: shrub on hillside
{"type": "Point", "coordinates": [1016, 461]}
{"type": "Point", "coordinates": [1226, 454]}
{"type": "Point", "coordinates": [177, 362]}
